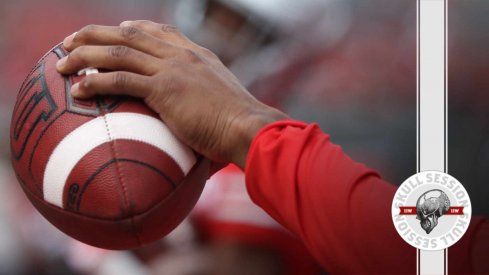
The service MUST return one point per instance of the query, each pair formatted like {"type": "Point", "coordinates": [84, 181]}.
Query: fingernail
{"type": "Point", "coordinates": [61, 63]}
{"type": "Point", "coordinates": [69, 39]}
{"type": "Point", "coordinates": [126, 24]}
{"type": "Point", "coordinates": [74, 90]}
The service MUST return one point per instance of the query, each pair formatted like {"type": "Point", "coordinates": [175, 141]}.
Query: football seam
{"type": "Point", "coordinates": [166, 178]}
{"type": "Point", "coordinates": [121, 180]}
{"type": "Point", "coordinates": [106, 219]}
{"type": "Point", "coordinates": [31, 196]}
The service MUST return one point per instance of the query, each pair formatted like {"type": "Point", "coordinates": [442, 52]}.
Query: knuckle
{"type": "Point", "coordinates": [129, 33]}
{"type": "Point", "coordinates": [119, 80]}
{"type": "Point", "coordinates": [176, 64]}
{"type": "Point", "coordinates": [191, 56]}
{"type": "Point", "coordinates": [87, 83]}
{"type": "Point", "coordinates": [77, 55]}
{"type": "Point", "coordinates": [118, 51]}
{"type": "Point", "coordinates": [169, 28]}
{"type": "Point", "coordinates": [84, 33]}
{"type": "Point", "coordinates": [208, 53]}
{"type": "Point", "coordinates": [142, 23]}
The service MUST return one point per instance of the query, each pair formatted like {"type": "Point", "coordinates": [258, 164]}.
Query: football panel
{"type": "Point", "coordinates": [148, 175]}
{"type": "Point", "coordinates": [132, 232]}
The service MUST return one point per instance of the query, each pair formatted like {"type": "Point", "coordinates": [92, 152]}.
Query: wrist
{"type": "Point", "coordinates": [248, 128]}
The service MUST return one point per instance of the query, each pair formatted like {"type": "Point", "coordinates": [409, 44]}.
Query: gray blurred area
{"type": "Point", "coordinates": [468, 99]}
{"type": "Point", "coordinates": [355, 75]}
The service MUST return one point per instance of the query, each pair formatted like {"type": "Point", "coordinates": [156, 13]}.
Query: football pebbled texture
{"type": "Point", "coordinates": [105, 171]}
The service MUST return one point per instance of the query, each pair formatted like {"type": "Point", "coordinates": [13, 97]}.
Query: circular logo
{"type": "Point", "coordinates": [431, 210]}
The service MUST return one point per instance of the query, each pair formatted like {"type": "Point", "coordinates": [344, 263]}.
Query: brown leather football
{"type": "Point", "coordinates": [106, 171]}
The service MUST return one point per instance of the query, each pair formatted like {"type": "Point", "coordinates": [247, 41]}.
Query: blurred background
{"type": "Point", "coordinates": [349, 65]}
{"type": "Point", "coordinates": [468, 99]}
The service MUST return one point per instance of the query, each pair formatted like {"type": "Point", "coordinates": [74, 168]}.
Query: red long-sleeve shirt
{"type": "Point", "coordinates": [338, 207]}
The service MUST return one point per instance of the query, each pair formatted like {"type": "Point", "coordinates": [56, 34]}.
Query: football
{"type": "Point", "coordinates": [105, 171]}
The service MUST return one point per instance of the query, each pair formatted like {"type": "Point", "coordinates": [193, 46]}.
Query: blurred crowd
{"type": "Point", "coordinates": [349, 65]}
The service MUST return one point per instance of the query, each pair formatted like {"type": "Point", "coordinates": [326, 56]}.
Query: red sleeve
{"type": "Point", "coordinates": [338, 207]}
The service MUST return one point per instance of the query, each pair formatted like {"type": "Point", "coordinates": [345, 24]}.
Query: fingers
{"type": "Point", "coordinates": [128, 36]}
{"type": "Point", "coordinates": [113, 83]}
{"type": "Point", "coordinates": [165, 32]}
{"type": "Point", "coordinates": [109, 57]}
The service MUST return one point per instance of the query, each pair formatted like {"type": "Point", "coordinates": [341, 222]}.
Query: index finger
{"type": "Point", "coordinates": [128, 36]}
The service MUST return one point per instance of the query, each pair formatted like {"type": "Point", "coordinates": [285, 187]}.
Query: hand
{"type": "Point", "coordinates": [199, 99]}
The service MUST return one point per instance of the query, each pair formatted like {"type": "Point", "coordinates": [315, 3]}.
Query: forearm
{"type": "Point", "coordinates": [339, 208]}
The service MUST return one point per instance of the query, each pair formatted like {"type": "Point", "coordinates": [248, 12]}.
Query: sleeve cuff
{"type": "Point", "coordinates": [264, 130]}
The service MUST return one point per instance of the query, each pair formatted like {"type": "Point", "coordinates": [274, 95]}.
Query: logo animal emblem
{"type": "Point", "coordinates": [430, 206]}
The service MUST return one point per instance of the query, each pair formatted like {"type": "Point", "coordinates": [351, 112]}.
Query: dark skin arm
{"type": "Point", "coordinates": [199, 99]}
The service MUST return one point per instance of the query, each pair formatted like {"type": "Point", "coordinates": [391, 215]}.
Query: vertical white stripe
{"type": "Point", "coordinates": [432, 85]}
{"type": "Point", "coordinates": [153, 131]}
{"type": "Point", "coordinates": [431, 104]}
{"type": "Point", "coordinates": [67, 154]}
{"type": "Point", "coordinates": [432, 262]}
{"type": "Point", "coordinates": [114, 126]}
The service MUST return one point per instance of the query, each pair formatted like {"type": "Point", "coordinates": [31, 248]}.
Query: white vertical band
{"type": "Point", "coordinates": [113, 126]}
{"type": "Point", "coordinates": [431, 106]}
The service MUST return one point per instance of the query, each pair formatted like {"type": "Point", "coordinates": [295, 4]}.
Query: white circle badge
{"type": "Point", "coordinates": [431, 210]}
